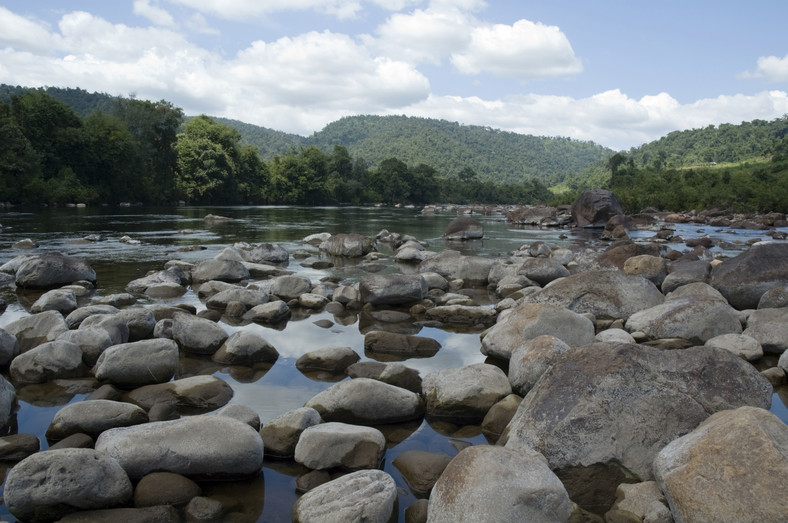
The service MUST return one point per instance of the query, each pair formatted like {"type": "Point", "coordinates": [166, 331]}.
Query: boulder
{"type": "Point", "coordinates": [684, 273]}
{"type": "Point", "coordinates": [47, 362]}
{"type": "Point", "coordinates": [531, 359]}
{"type": "Point", "coordinates": [289, 287]}
{"type": "Point", "coordinates": [421, 469]}
{"type": "Point", "coordinates": [745, 278]}
{"type": "Point", "coordinates": [499, 416]}
{"type": "Point", "coordinates": [114, 325]}
{"type": "Point", "coordinates": [245, 348]}
{"type": "Point", "coordinates": [272, 312]}
{"type": "Point", "coordinates": [269, 253]}
{"type": "Point", "coordinates": [711, 473]}
{"type": "Point", "coordinates": [197, 335]}
{"type": "Point", "coordinates": [63, 301]}
{"type": "Point", "coordinates": [172, 276]}
{"type": "Point", "coordinates": [463, 314]}
{"type": "Point", "coordinates": [330, 445]}
{"type": "Point", "coordinates": [158, 514]}
{"type": "Point", "coordinates": [542, 270]}
{"type": "Point", "coordinates": [464, 228]}
{"type": "Point", "coordinates": [241, 413]}
{"type": "Point", "coordinates": [9, 347]}
{"type": "Point", "coordinates": [333, 360]}
{"type": "Point", "coordinates": [140, 321]}
{"type": "Point", "coordinates": [594, 208]}
{"type": "Point", "coordinates": [605, 294]}
{"type": "Point", "coordinates": [164, 488]}
{"type": "Point", "coordinates": [617, 255]}
{"type": "Point", "coordinates": [312, 301]}
{"type": "Point", "coordinates": [770, 328]}
{"type": "Point", "coordinates": [399, 346]}
{"type": "Point", "coordinates": [452, 265]}
{"type": "Point", "coordinates": [92, 342]}
{"type": "Point", "coordinates": [223, 270]}
{"type": "Point", "coordinates": [49, 485]}
{"type": "Point", "coordinates": [250, 298]}
{"type": "Point", "coordinates": [367, 402]}
{"type": "Point", "coordinates": [348, 245]}
{"type": "Point", "coordinates": [692, 318]}
{"type": "Point", "coordinates": [92, 417]}
{"type": "Point", "coordinates": [643, 501]}
{"type": "Point", "coordinates": [192, 394]}
{"type": "Point", "coordinates": [75, 319]}
{"type": "Point", "coordinates": [392, 289]}
{"type": "Point", "coordinates": [16, 447]}
{"type": "Point", "coordinates": [529, 320]}
{"type": "Point", "coordinates": [280, 435]}
{"type": "Point", "coordinates": [745, 347]}
{"type": "Point", "coordinates": [653, 268]}
{"type": "Point", "coordinates": [52, 269]}
{"type": "Point", "coordinates": [464, 395]}
{"type": "Point", "coordinates": [365, 495]}
{"type": "Point", "coordinates": [774, 298]}
{"type": "Point", "coordinates": [138, 363]}
{"type": "Point", "coordinates": [604, 391]}
{"type": "Point", "coordinates": [31, 331]}
{"type": "Point", "coordinates": [489, 483]}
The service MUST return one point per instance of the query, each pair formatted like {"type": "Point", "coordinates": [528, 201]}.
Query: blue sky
{"type": "Point", "coordinates": [617, 72]}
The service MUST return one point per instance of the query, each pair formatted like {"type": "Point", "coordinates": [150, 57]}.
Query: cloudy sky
{"type": "Point", "coordinates": [617, 72]}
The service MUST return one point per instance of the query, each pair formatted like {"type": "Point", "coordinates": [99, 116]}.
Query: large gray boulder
{"type": "Point", "coordinates": [138, 363]}
{"type": "Point", "coordinates": [280, 435]}
{"type": "Point", "coordinates": [745, 278]}
{"type": "Point", "coordinates": [367, 402]}
{"type": "Point", "coordinates": [63, 301]}
{"type": "Point", "coordinates": [172, 276]}
{"type": "Point", "coordinates": [770, 328]}
{"type": "Point", "coordinates": [197, 335]}
{"type": "Point", "coordinates": [92, 417]}
{"type": "Point", "coordinates": [249, 297]}
{"type": "Point", "coordinates": [49, 485]}
{"type": "Point", "coordinates": [93, 341]}
{"type": "Point", "coordinates": [530, 320]}
{"type": "Point", "coordinates": [463, 314]}
{"type": "Point", "coordinates": [603, 293]}
{"type": "Point", "coordinates": [464, 395]}
{"type": "Point", "coordinates": [52, 269]}
{"type": "Point", "coordinates": [9, 347]}
{"type": "Point", "coordinates": [289, 286]}
{"type": "Point", "coordinates": [330, 445]}
{"type": "Point", "coordinates": [453, 265]}
{"type": "Point", "coordinates": [464, 228]}
{"type": "Point", "coordinates": [115, 325]}
{"type": "Point", "coordinates": [271, 312]}
{"type": "Point", "coordinates": [230, 271]}
{"type": "Point", "coordinates": [7, 402]}
{"type": "Point", "coordinates": [711, 473]}
{"type": "Point", "coordinates": [493, 484]}
{"type": "Point", "coordinates": [140, 320]}
{"type": "Point", "coordinates": [542, 270]}
{"type": "Point", "coordinates": [421, 469]}
{"type": "Point", "coordinates": [269, 253]}
{"type": "Point", "coordinates": [392, 289]}
{"type": "Point", "coordinates": [594, 208]}
{"type": "Point", "coordinates": [31, 331]}
{"type": "Point", "coordinates": [245, 348]}
{"type": "Point", "coordinates": [47, 362]}
{"type": "Point", "coordinates": [188, 395]}
{"type": "Point", "coordinates": [75, 319]}
{"type": "Point", "coordinates": [399, 346]}
{"type": "Point", "coordinates": [531, 359]}
{"type": "Point", "coordinates": [215, 447]}
{"type": "Point", "coordinates": [692, 318]}
{"type": "Point", "coordinates": [604, 391]}
{"type": "Point", "coordinates": [333, 360]}
{"type": "Point", "coordinates": [348, 245]}
{"type": "Point", "coordinates": [365, 495]}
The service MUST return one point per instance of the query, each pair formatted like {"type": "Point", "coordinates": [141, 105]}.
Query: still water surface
{"type": "Point", "coordinates": [172, 233]}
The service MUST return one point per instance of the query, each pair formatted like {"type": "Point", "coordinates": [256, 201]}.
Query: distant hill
{"type": "Point", "coordinates": [81, 101]}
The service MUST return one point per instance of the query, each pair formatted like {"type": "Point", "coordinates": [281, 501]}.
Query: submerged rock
{"type": "Point", "coordinates": [366, 495]}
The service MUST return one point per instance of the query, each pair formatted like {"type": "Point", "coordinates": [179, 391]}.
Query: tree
{"type": "Point", "coordinates": [20, 164]}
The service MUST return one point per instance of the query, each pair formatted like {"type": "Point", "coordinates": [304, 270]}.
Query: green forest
{"type": "Point", "coordinates": [68, 145]}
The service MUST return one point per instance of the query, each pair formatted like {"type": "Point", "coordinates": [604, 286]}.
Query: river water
{"type": "Point", "coordinates": [183, 233]}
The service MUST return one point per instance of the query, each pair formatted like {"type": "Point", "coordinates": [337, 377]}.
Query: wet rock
{"type": "Point", "coordinates": [210, 288]}
{"type": "Point", "coordinates": [273, 312]}
{"type": "Point", "coordinates": [317, 238]}
{"type": "Point", "coordinates": [17, 447]}
{"type": "Point", "coordinates": [715, 450]}
{"type": "Point", "coordinates": [366, 495]}
{"type": "Point", "coordinates": [452, 265]}
{"type": "Point", "coordinates": [123, 299]}
{"type": "Point", "coordinates": [499, 416]}
{"type": "Point", "coordinates": [197, 335]}
{"type": "Point", "coordinates": [52, 269]}
{"type": "Point", "coordinates": [280, 435]}
{"type": "Point", "coordinates": [347, 245]}
{"type": "Point", "coordinates": [206, 509]}
{"type": "Point", "coordinates": [31, 331]}
{"type": "Point", "coordinates": [770, 328]}
{"type": "Point", "coordinates": [75, 441]}
{"type": "Point", "coordinates": [464, 228]}
{"type": "Point", "coordinates": [614, 336]}
{"type": "Point", "coordinates": [330, 445]}
{"type": "Point", "coordinates": [605, 390]}
{"type": "Point", "coordinates": [693, 318]}
{"type": "Point", "coordinates": [60, 300]}
{"type": "Point", "coordinates": [400, 346]}
{"type": "Point", "coordinates": [289, 287]}
{"type": "Point", "coordinates": [47, 362]}
{"type": "Point", "coordinates": [488, 483]}
{"type": "Point", "coordinates": [138, 363]}
{"type": "Point", "coordinates": [50, 485]}
{"type": "Point", "coordinates": [140, 321]}
{"type": "Point", "coordinates": [531, 359]}
{"type": "Point", "coordinates": [165, 291]}
{"type": "Point", "coordinates": [9, 348]}
{"type": "Point", "coordinates": [401, 376]}
{"type": "Point", "coordinates": [333, 360]}
{"type": "Point", "coordinates": [223, 270]}
{"type": "Point", "coordinates": [75, 319]}
{"type": "Point", "coordinates": [165, 488]}
{"type": "Point", "coordinates": [745, 278]}
{"type": "Point", "coordinates": [172, 275]}
{"type": "Point", "coordinates": [639, 501]}
{"type": "Point", "coordinates": [367, 402]}
{"type": "Point", "coordinates": [269, 253]}
{"type": "Point", "coordinates": [250, 298]}
{"type": "Point", "coordinates": [92, 417]}
{"type": "Point", "coordinates": [529, 320]}
{"type": "Point", "coordinates": [464, 395]}
{"type": "Point", "coordinates": [158, 514]}
{"type": "Point", "coordinates": [742, 345]}
{"type": "Point", "coordinates": [193, 394]}
{"type": "Point", "coordinates": [542, 270]}
{"type": "Point", "coordinates": [421, 469]}
{"type": "Point", "coordinates": [245, 348]}
{"type": "Point", "coordinates": [114, 325]}
{"type": "Point", "coordinates": [594, 208]}
{"type": "Point", "coordinates": [7, 402]}
{"type": "Point", "coordinates": [392, 289]}
{"type": "Point", "coordinates": [312, 301]}
{"type": "Point", "coordinates": [463, 314]}
{"type": "Point", "coordinates": [216, 447]}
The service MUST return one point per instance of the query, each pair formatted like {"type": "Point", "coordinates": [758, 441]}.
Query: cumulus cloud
{"type": "Point", "coordinates": [773, 68]}
{"type": "Point", "coordinates": [23, 34]}
{"type": "Point", "coordinates": [243, 9]}
{"type": "Point", "coordinates": [154, 13]}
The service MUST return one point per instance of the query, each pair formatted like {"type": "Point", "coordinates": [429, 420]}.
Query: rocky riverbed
{"type": "Point", "coordinates": [630, 382]}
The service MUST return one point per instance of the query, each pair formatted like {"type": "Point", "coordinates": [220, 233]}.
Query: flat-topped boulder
{"type": "Point", "coordinates": [192, 394]}
{"type": "Point", "coordinates": [368, 402]}
{"type": "Point", "coordinates": [52, 269]}
{"type": "Point", "coordinates": [138, 363]}
{"type": "Point", "coordinates": [92, 417]}
{"type": "Point", "coordinates": [330, 445]}
{"type": "Point", "coordinates": [464, 395]}
{"type": "Point", "coordinates": [464, 228]}
{"type": "Point", "coordinates": [31, 331]}
{"type": "Point", "coordinates": [392, 289]}
{"type": "Point", "coordinates": [281, 434]}
{"type": "Point", "coordinates": [348, 245]}
{"type": "Point", "coordinates": [223, 270]}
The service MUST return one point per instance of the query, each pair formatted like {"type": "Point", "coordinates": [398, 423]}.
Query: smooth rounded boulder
{"type": "Point", "coordinates": [367, 402]}
{"type": "Point", "coordinates": [333, 444]}
{"type": "Point", "coordinates": [348, 245]}
{"type": "Point", "coordinates": [245, 348]}
{"type": "Point", "coordinates": [197, 335]}
{"type": "Point", "coordinates": [333, 360]}
{"type": "Point", "coordinates": [49, 485]}
{"type": "Point", "coordinates": [745, 278]}
{"type": "Point", "coordinates": [399, 346]}
{"type": "Point", "coordinates": [92, 417]}
{"type": "Point", "coordinates": [464, 228]}
{"type": "Point", "coordinates": [230, 271]}
{"type": "Point", "coordinates": [192, 394]}
{"type": "Point", "coordinates": [138, 363]}
{"type": "Point", "coordinates": [7, 402]}
{"type": "Point", "coordinates": [31, 331]}
{"type": "Point", "coordinates": [280, 435]}
{"type": "Point", "coordinates": [770, 328]}
{"type": "Point", "coordinates": [531, 359]}
{"type": "Point", "coordinates": [366, 495]}
{"type": "Point", "coordinates": [215, 447]}
{"type": "Point", "coordinates": [692, 318]}
{"type": "Point", "coordinates": [63, 301]}
{"type": "Point", "coordinates": [49, 361]}
{"type": "Point", "coordinates": [464, 395]}
{"type": "Point", "coordinates": [52, 269]}
{"type": "Point", "coordinates": [392, 289]}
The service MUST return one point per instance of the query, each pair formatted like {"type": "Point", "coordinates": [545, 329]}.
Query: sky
{"type": "Point", "coordinates": [619, 73]}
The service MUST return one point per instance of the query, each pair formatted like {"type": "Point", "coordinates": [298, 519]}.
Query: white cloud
{"type": "Point", "coordinates": [21, 33]}
{"type": "Point", "coordinates": [199, 24]}
{"type": "Point", "coordinates": [243, 9]}
{"type": "Point", "coordinates": [522, 50]}
{"type": "Point", "coordinates": [155, 14]}
{"type": "Point", "coordinates": [773, 68]}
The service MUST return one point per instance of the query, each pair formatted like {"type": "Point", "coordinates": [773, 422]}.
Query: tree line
{"type": "Point", "coordinates": [142, 151]}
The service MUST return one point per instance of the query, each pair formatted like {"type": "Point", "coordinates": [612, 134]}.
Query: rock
{"type": "Point", "coordinates": [605, 294]}
{"type": "Point", "coordinates": [312, 301]}
{"type": "Point", "coordinates": [114, 325]}
{"type": "Point", "coordinates": [210, 288]}
{"type": "Point", "coordinates": [165, 488]}
{"type": "Point", "coordinates": [400, 346]}
{"type": "Point", "coordinates": [693, 318]}
{"type": "Point", "coordinates": [614, 336]}
{"type": "Point", "coordinates": [330, 445]}
{"type": "Point", "coordinates": [31, 331]}
{"type": "Point", "coordinates": [9, 348]}
{"type": "Point", "coordinates": [140, 321]}
{"type": "Point", "coordinates": [241, 413]}
{"type": "Point", "coordinates": [74, 320]}
{"type": "Point", "coordinates": [165, 291]}
{"type": "Point", "coordinates": [746, 347]}
{"type": "Point", "coordinates": [392, 289]}
{"type": "Point", "coordinates": [49, 485]}
{"type": "Point", "coordinates": [138, 363]}
{"type": "Point", "coordinates": [417, 512]}
{"type": "Point", "coordinates": [223, 270]}
{"type": "Point", "coordinates": [401, 376]}
{"type": "Point", "coordinates": [488, 483]}
{"type": "Point", "coordinates": [463, 314]}
{"type": "Point", "coordinates": [774, 298]}
{"type": "Point", "coordinates": [289, 287]}
{"type": "Point", "coordinates": [333, 360]}
{"type": "Point", "coordinates": [245, 348]}
{"type": "Point", "coordinates": [365, 495]}
{"type": "Point", "coordinates": [499, 416]}
{"type": "Point", "coordinates": [531, 359]}
{"type": "Point", "coordinates": [317, 238]}
{"type": "Point", "coordinates": [532, 215]}
{"type": "Point", "coordinates": [421, 469]}
{"type": "Point", "coordinates": [93, 341]}
{"type": "Point", "coordinates": [47, 362]}
{"type": "Point", "coordinates": [205, 509]}
{"type": "Point", "coordinates": [171, 276]}
{"type": "Point", "coordinates": [280, 435]}
{"type": "Point", "coordinates": [529, 320]}
{"type": "Point", "coordinates": [269, 253]}
{"type": "Point", "coordinates": [192, 394]}
{"type": "Point", "coordinates": [17, 447]}
{"type": "Point", "coordinates": [123, 299]}
{"type": "Point", "coordinates": [700, 289]}
{"type": "Point", "coordinates": [653, 268]}
{"type": "Point", "coordinates": [452, 265]}
{"type": "Point", "coordinates": [7, 402]}
{"type": "Point", "coordinates": [250, 298]}
{"type": "Point", "coordinates": [158, 514]}
{"type": "Point", "coordinates": [686, 272]}
{"type": "Point", "coordinates": [603, 391]}
{"type": "Point", "coordinates": [594, 208]}
{"type": "Point", "coordinates": [52, 269]}
{"type": "Point", "coordinates": [92, 417]}
{"type": "Point", "coordinates": [464, 228]}
{"type": "Point", "coordinates": [464, 395]}
{"type": "Point", "coordinates": [197, 335]}
{"type": "Point", "coordinates": [542, 270]}
{"type": "Point", "coordinates": [347, 245]}
{"type": "Point", "coordinates": [636, 500]}
{"type": "Point", "coordinates": [703, 472]}
{"type": "Point", "coordinates": [272, 312]}
{"type": "Point", "coordinates": [770, 328]}
{"type": "Point", "coordinates": [215, 447]}
{"type": "Point", "coordinates": [367, 402]}
{"type": "Point", "coordinates": [60, 300]}
{"type": "Point", "coordinates": [745, 278]}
